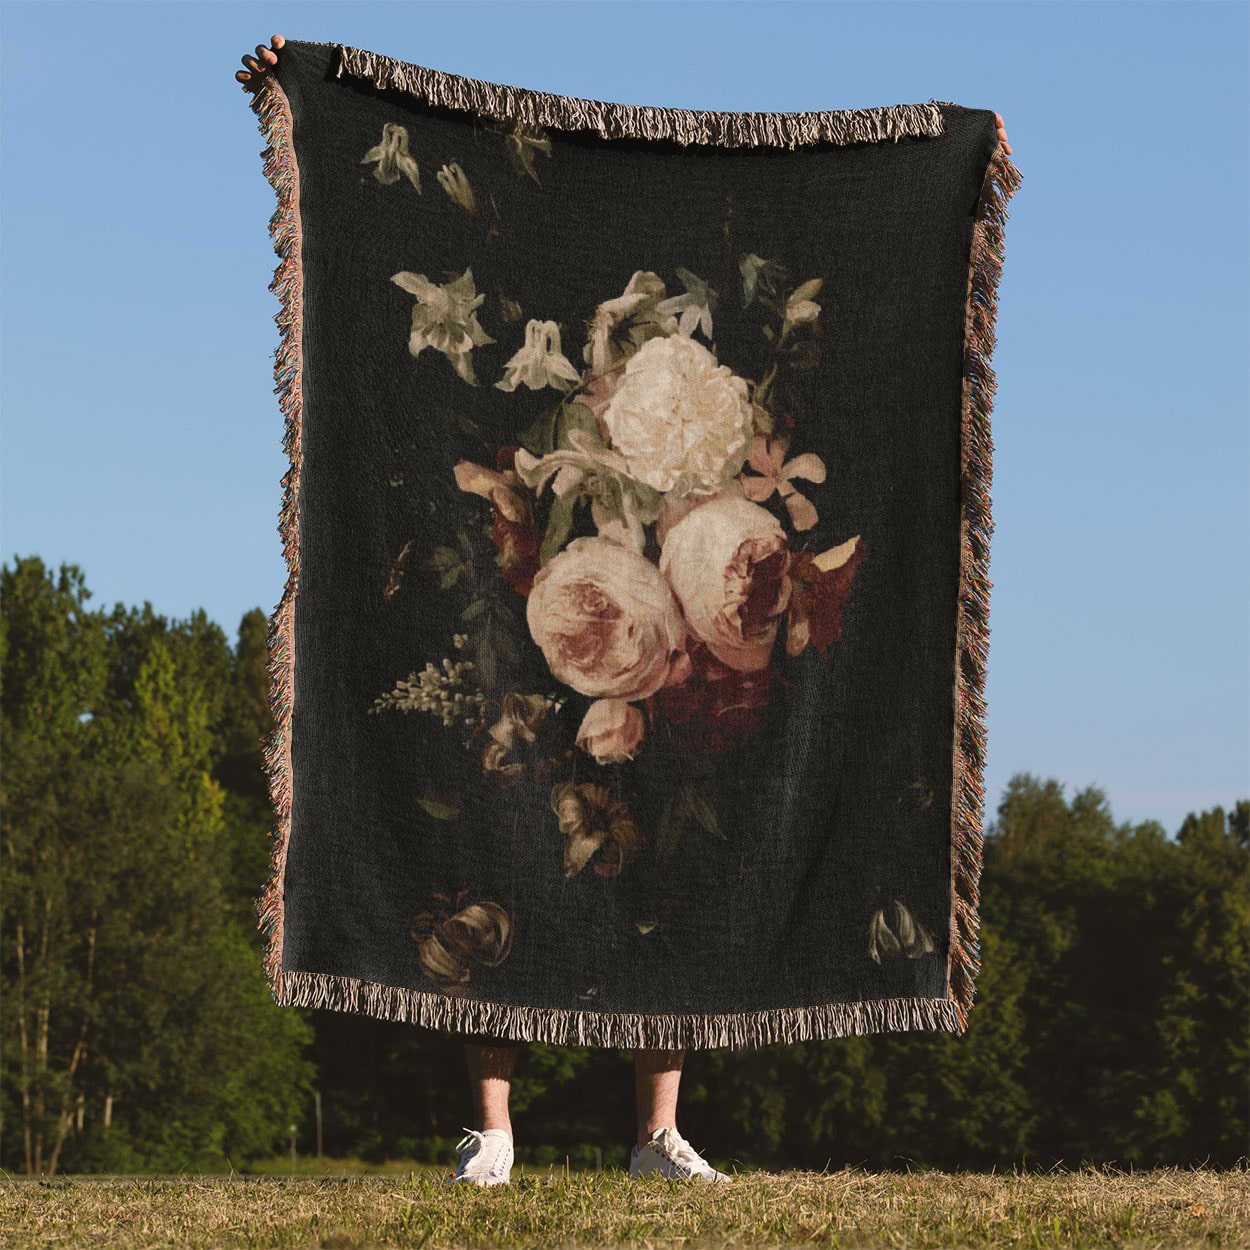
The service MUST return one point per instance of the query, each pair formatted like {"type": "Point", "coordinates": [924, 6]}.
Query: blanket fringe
{"type": "Point", "coordinates": [1002, 179]}
{"type": "Point", "coordinates": [274, 112]}
{"type": "Point", "coordinates": [739, 1031]}
{"type": "Point", "coordinates": [631, 121]}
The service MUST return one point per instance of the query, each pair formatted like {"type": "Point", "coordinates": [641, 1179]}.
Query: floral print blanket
{"type": "Point", "coordinates": [627, 682]}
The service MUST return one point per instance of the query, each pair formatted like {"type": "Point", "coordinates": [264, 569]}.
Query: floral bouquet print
{"type": "Point", "coordinates": [628, 678]}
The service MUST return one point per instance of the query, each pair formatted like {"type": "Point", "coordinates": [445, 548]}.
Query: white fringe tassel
{"type": "Point", "coordinates": [741, 1031]}
{"type": "Point", "coordinates": [631, 121]}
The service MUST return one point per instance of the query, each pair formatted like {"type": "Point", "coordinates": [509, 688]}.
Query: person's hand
{"type": "Point", "coordinates": [257, 65]}
{"type": "Point", "coordinates": [998, 117]}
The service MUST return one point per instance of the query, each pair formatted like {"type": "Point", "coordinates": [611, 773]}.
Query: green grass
{"type": "Point", "coordinates": [1160, 1208]}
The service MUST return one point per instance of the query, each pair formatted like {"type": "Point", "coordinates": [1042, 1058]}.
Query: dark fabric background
{"type": "Point", "coordinates": [824, 814]}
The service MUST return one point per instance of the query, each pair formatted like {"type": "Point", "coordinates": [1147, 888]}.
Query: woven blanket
{"type": "Point", "coordinates": [628, 676]}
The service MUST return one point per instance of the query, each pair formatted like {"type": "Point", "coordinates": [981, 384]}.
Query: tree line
{"type": "Point", "coordinates": [137, 1032]}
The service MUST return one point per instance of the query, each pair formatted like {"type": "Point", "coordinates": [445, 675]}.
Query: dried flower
{"type": "Point", "coordinates": [514, 733]}
{"type": "Point", "coordinates": [448, 950]}
{"type": "Point", "coordinates": [595, 826]}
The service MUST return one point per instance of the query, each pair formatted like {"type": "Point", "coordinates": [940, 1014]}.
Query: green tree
{"type": "Point", "coordinates": [140, 1031]}
{"type": "Point", "coordinates": [1135, 950]}
{"type": "Point", "coordinates": [1198, 1106]}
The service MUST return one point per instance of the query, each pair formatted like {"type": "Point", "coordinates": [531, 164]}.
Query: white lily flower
{"type": "Point", "coordinates": [619, 506]}
{"type": "Point", "coordinates": [456, 183]}
{"type": "Point", "coordinates": [633, 315]}
{"type": "Point", "coordinates": [540, 362]}
{"type": "Point", "coordinates": [695, 307]}
{"type": "Point", "coordinates": [445, 319]}
{"type": "Point", "coordinates": [393, 158]}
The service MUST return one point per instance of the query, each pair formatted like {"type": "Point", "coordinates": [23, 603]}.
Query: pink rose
{"type": "Point", "coordinates": [729, 566]}
{"type": "Point", "coordinates": [606, 621]}
{"type": "Point", "coordinates": [612, 731]}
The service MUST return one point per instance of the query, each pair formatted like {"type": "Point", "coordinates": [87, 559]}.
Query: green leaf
{"type": "Point", "coordinates": [672, 822]}
{"type": "Point", "coordinates": [559, 526]}
{"type": "Point", "coordinates": [471, 429]}
{"type": "Point", "coordinates": [501, 642]}
{"type": "Point", "coordinates": [447, 564]}
{"type": "Point", "coordinates": [442, 806]}
{"type": "Point", "coordinates": [804, 354]}
{"type": "Point", "coordinates": [506, 616]}
{"type": "Point", "coordinates": [540, 438]}
{"type": "Point", "coordinates": [700, 807]}
{"type": "Point", "coordinates": [576, 416]}
{"type": "Point", "coordinates": [475, 609]}
{"type": "Point", "coordinates": [487, 661]}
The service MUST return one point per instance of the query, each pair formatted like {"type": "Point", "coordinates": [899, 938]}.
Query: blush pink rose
{"type": "Point", "coordinates": [606, 621]}
{"type": "Point", "coordinates": [729, 566]}
{"type": "Point", "coordinates": [612, 731]}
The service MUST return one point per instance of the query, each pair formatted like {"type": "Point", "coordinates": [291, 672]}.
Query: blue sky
{"type": "Point", "coordinates": [141, 438]}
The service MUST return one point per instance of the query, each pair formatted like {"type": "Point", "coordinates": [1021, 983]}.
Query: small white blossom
{"type": "Point", "coordinates": [439, 692]}
{"type": "Point", "coordinates": [540, 362]}
{"type": "Point", "coordinates": [445, 319]}
{"type": "Point", "coordinates": [393, 158]}
{"type": "Point", "coordinates": [756, 273]}
{"type": "Point", "coordinates": [694, 308]}
{"type": "Point", "coordinates": [621, 326]}
{"type": "Point", "coordinates": [800, 308]}
{"type": "Point", "coordinates": [524, 142]}
{"type": "Point", "coordinates": [456, 183]}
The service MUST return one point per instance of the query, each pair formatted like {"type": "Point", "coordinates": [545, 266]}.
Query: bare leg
{"type": "Point", "coordinates": [657, 1077]}
{"type": "Point", "coordinates": [490, 1080]}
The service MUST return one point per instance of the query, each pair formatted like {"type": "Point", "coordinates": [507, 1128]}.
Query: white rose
{"type": "Point", "coordinates": [729, 566]}
{"type": "Point", "coordinates": [682, 422]}
{"type": "Point", "coordinates": [606, 621]}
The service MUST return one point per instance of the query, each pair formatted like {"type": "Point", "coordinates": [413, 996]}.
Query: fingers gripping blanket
{"type": "Point", "coordinates": [628, 676]}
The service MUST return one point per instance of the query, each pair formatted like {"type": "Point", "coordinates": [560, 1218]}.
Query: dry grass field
{"type": "Point", "coordinates": [1160, 1208]}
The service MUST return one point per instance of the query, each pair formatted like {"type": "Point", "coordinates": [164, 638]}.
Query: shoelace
{"type": "Point", "coordinates": [684, 1154]}
{"type": "Point", "coordinates": [491, 1160]}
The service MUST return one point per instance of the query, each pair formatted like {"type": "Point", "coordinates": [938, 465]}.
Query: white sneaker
{"type": "Point", "coordinates": [668, 1153]}
{"type": "Point", "coordinates": [485, 1158]}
